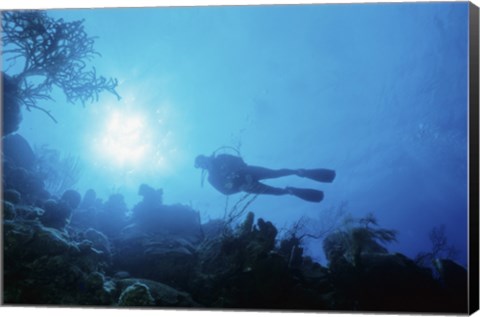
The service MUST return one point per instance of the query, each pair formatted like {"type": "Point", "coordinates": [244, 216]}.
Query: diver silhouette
{"type": "Point", "coordinates": [229, 174]}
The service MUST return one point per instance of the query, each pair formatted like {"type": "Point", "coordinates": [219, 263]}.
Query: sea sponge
{"type": "Point", "coordinates": [57, 214]}
{"type": "Point", "coordinates": [95, 281]}
{"type": "Point", "coordinates": [72, 198]}
{"type": "Point", "coordinates": [137, 294]}
{"type": "Point", "coordinates": [12, 196]}
{"type": "Point", "coordinates": [9, 212]}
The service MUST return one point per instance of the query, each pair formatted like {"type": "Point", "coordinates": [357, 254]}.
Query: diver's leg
{"type": "Point", "coordinates": [259, 188]}
{"type": "Point", "coordinates": [318, 174]}
{"type": "Point", "coordinates": [307, 194]}
{"type": "Point", "coordinates": [258, 172]}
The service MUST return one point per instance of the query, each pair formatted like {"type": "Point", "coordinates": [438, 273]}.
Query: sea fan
{"type": "Point", "coordinates": [58, 172]}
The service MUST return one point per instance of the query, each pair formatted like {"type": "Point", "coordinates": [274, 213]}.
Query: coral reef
{"type": "Point", "coordinates": [12, 196]}
{"type": "Point", "coordinates": [137, 294]}
{"type": "Point", "coordinates": [111, 218]}
{"type": "Point", "coordinates": [160, 241]}
{"type": "Point", "coordinates": [9, 212]}
{"type": "Point", "coordinates": [367, 277]}
{"type": "Point", "coordinates": [76, 250]}
{"type": "Point", "coordinates": [151, 293]}
{"type": "Point", "coordinates": [45, 266]}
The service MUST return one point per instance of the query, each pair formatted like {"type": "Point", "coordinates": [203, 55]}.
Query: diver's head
{"type": "Point", "coordinates": [202, 162]}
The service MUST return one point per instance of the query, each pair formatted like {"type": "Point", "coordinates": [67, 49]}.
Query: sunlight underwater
{"type": "Point", "coordinates": [106, 208]}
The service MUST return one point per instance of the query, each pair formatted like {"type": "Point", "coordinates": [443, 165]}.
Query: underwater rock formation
{"type": "Point", "coordinates": [152, 198]}
{"type": "Point", "coordinates": [99, 241]}
{"type": "Point", "coordinates": [27, 183]}
{"type": "Point", "coordinates": [16, 149]}
{"type": "Point", "coordinates": [113, 216]}
{"type": "Point", "coordinates": [243, 269]}
{"type": "Point", "coordinates": [454, 281]}
{"type": "Point", "coordinates": [11, 113]}
{"type": "Point", "coordinates": [45, 266]}
{"type": "Point", "coordinates": [159, 243]}
{"type": "Point", "coordinates": [9, 212]}
{"type": "Point", "coordinates": [12, 196]}
{"type": "Point", "coordinates": [163, 256]}
{"type": "Point", "coordinates": [72, 198]}
{"type": "Point", "coordinates": [85, 216]}
{"type": "Point", "coordinates": [137, 294]}
{"type": "Point", "coordinates": [366, 277]}
{"type": "Point", "coordinates": [89, 199]}
{"type": "Point", "coordinates": [134, 292]}
{"type": "Point", "coordinates": [374, 287]}
{"type": "Point", "coordinates": [175, 220]}
{"type": "Point", "coordinates": [57, 214]}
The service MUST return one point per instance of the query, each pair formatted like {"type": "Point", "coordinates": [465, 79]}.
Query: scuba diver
{"type": "Point", "coordinates": [229, 174]}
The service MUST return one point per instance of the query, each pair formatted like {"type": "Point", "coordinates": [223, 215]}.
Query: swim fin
{"type": "Point", "coordinates": [318, 174]}
{"type": "Point", "coordinates": [312, 195]}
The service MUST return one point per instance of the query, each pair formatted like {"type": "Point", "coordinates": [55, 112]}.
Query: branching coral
{"type": "Point", "coordinates": [440, 248]}
{"type": "Point", "coordinates": [356, 237]}
{"type": "Point", "coordinates": [310, 228]}
{"type": "Point", "coordinates": [238, 210]}
{"type": "Point", "coordinates": [52, 53]}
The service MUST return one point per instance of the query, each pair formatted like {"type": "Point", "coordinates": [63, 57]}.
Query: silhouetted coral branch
{"type": "Point", "coordinates": [356, 238]}
{"type": "Point", "coordinates": [238, 210]}
{"type": "Point", "coordinates": [43, 110]}
{"type": "Point", "coordinates": [54, 53]}
{"type": "Point", "coordinates": [440, 248]}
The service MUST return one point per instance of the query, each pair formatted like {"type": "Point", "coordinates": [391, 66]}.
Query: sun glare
{"type": "Point", "coordinates": [135, 141]}
{"type": "Point", "coordinates": [125, 139]}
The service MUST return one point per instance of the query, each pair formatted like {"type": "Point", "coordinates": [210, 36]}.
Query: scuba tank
{"type": "Point", "coordinates": [237, 152]}
{"type": "Point", "coordinates": [214, 153]}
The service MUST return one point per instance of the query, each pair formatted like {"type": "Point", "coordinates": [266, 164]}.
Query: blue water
{"type": "Point", "coordinates": [377, 92]}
